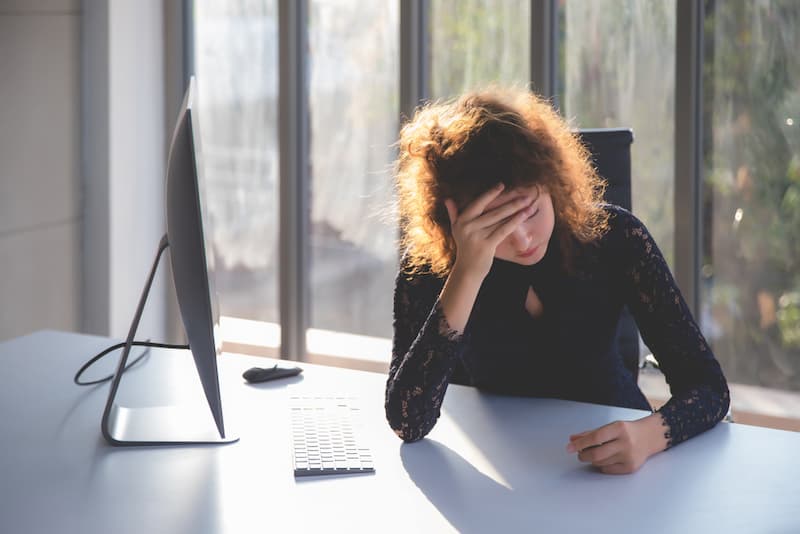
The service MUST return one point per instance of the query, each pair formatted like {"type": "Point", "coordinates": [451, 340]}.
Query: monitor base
{"type": "Point", "coordinates": [162, 425]}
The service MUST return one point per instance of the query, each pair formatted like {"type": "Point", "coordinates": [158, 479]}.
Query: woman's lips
{"type": "Point", "coordinates": [528, 253]}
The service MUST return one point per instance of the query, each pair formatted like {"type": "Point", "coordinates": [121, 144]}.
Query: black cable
{"type": "Point", "coordinates": [118, 346]}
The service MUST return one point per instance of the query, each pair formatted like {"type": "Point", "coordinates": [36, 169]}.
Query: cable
{"type": "Point", "coordinates": [118, 346]}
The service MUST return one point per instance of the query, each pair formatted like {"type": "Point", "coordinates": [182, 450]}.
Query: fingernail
{"type": "Point", "coordinates": [570, 447]}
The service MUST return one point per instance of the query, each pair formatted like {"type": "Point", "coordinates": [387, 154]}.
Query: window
{"type": "Point", "coordinates": [616, 67]}
{"type": "Point", "coordinates": [474, 42]}
{"type": "Point", "coordinates": [751, 271]}
{"type": "Point", "coordinates": [354, 103]}
{"type": "Point", "coordinates": [236, 67]}
{"type": "Point", "coordinates": [618, 70]}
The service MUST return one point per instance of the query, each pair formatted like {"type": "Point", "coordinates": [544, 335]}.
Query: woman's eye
{"type": "Point", "coordinates": [534, 214]}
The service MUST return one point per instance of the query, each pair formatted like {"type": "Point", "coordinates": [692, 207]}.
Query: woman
{"type": "Point", "coordinates": [514, 276]}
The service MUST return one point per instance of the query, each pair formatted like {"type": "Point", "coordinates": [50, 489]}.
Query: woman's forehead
{"type": "Point", "coordinates": [513, 194]}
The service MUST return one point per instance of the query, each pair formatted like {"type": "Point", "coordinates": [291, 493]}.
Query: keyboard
{"type": "Point", "coordinates": [324, 438]}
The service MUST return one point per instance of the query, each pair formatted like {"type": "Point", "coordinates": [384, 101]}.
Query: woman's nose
{"type": "Point", "coordinates": [520, 239]}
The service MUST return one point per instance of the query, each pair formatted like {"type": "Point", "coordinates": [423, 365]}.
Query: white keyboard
{"type": "Point", "coordinates": [324, 437]}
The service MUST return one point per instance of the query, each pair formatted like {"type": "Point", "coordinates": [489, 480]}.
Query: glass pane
{"type": "Point", "coordinates": [752, 191]}
{"type": "Point", "coordinates": [474, 42]}
{"type": "Point", "coordinates": [235, 44]}
{"type": "Point", "coordinates": [354, 92]}
{"type": "Point", "coordinates": [618, 70]}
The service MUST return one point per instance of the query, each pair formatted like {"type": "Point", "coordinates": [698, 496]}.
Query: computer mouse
{"type": "Point", "coordinates": [261, 374]}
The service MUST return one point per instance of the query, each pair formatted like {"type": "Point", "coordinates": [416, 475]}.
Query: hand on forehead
{"type": "Point", "coordinates": [531, 191]}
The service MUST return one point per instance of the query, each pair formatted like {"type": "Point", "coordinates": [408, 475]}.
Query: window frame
{"type": "Point", "coordinates": [294, 238]}
{"type": "Point", "coordinates": [293, 338]}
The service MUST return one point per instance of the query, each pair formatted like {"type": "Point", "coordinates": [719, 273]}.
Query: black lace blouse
{"type": "Point", "coordinates": [569, 351]}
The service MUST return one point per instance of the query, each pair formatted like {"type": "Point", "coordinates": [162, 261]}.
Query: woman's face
{"type": "Point", "coordinates": [527, 244]}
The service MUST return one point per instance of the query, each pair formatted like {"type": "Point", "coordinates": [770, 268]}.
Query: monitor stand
{"type": "Point", "coordinates": [159, 425]}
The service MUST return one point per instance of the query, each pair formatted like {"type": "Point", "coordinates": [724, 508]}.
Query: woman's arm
{"type": "Point", "coordinates": [426, 348]}
{"type": "Point", "coordinates": [699, 391]}
{"type": "Point", "coordinates": [425, 351]}
{"type": "Point", "coordinates": [700, 396]}
{"type": "Point", "coordinates": [429, 324]}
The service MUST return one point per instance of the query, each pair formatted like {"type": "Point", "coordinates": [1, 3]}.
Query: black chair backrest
{"type": "Point", "coordinates": [611, 155]}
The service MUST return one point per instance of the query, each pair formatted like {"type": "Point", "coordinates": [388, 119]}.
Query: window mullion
{"type": "Point", "coordinates": [688, 150]}
{"type": "Point", "coordinates": [544, 48]}
{"type": "Point", "coordinates": [293, 127]}
{"type": "Point", "coordinates": [414, 56]}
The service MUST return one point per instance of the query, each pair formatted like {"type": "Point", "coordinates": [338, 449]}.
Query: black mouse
{"type": "Point", "coordinates": [261, 374]}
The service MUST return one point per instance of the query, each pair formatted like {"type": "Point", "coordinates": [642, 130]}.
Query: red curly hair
{"type": "Point", "coordinates": [460, 148]}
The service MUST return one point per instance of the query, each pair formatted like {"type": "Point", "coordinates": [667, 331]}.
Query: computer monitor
{"type": "Point", "coordinates": [192, 260]}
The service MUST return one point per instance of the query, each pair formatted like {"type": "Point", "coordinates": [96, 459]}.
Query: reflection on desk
{"type": "Point", "coordinates": [492, 463]}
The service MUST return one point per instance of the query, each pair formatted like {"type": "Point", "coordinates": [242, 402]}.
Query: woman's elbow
{"type": "Point", "coordinates": [409, 429]}
{"type": "Point", "coordinates": [408, 435]}
{"type": "Point", "coordinates": [724, 403]}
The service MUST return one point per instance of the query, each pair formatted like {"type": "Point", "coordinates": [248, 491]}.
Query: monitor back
{"type": "Point", "coordinates": [191, 253]}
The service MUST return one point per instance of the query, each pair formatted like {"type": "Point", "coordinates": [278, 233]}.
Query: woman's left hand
{"type": "Point", "coordinates": [620, 447]}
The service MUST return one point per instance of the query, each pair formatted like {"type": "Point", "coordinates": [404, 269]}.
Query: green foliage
{"type": "Point", "coordinates": [752, 150]}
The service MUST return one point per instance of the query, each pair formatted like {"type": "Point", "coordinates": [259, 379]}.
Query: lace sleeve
{"type": "Point", "coordinates": [700, 397]}
{"type": "Point", "coordinates": [424, 353]}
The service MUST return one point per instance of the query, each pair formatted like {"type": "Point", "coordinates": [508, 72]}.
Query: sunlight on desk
{"type": "Point", "coordinates": [460, 442]}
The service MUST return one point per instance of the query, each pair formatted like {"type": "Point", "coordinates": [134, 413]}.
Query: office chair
{"type": "Point", "coordinates": [611, 154]}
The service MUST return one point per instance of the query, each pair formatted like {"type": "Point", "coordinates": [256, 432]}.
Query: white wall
{"type": "Point", "coordinates": [40, 201]}
{"type": "Point", "coordinates": [123, 154]}
{"type": "Point", "coordinates": [137, 156]}
{"type": "Point", "coordinates": [82, 150]}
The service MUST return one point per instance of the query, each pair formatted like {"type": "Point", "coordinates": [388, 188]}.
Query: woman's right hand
{"type": "Point", "coordinates": [478, 231]}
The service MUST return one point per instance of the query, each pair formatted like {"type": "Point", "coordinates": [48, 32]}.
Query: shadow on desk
{"type": "Point", "coordinates": [516, 449]}
{"type": "Point", "coordinates": [455, 486]}
{"type": "Point", "coordinates": [505, 463]}
{"type": "Point", "coordinates": [473, 502]}
{"type": "Point", "coordinates": [533, 432]}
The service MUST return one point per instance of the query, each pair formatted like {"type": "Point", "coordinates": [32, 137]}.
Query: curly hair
{"type": "Point", "coordinates": [462, 147]}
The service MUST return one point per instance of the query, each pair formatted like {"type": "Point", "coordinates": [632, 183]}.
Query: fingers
{"type": "Point", "coordinates": [503, 229]}
{"type": "Point", "coordinates": [606, 454]}
{"type": "Point", "coordinates": [614, 448]}
{"type": "Point", "coordinates": [618, 469]}
{"type": "Point", "coordinates": [495, 224]}
{"type": "Point", "coordinates": [477, 206]}
{"type": "Point", "coordinates": [504, 211]}
{"type": "Point", "coordinates": [612, 458]}
{"type": "Point", "coordinates": [595, 437]}
{"type": "Point", "coordinates": [573, 437]}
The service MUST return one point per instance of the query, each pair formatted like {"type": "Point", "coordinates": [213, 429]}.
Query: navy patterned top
{"type": "Point", "coordinates": [567, 352]}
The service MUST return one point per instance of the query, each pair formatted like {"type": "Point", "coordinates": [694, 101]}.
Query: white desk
{"type": "Point", "coordinates": [492, 464]}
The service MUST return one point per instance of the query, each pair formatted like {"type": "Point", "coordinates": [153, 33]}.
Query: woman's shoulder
{"type": "Point", "coordinates": [622, 224]}
{"type": "Point", "coordinates": [627, 236]}
{"type": "Point", "coordinates": [619, 217]}
{"type": "Point", "coordinates": [419, 277]}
